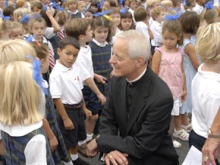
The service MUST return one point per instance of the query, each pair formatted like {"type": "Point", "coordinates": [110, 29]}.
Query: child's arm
{"type": "Point", "coordinates": [191, 52]}
{"type": "Point", "coordinates": [91, 84]}
{"type": "Point", "coordinates": [66, 120]}
{"type": "Point", "coordinates": [52, 138]}
{"type": "Point", "coordinates": [99, 78]}
{"type": "Point", "coordinates": [87, 112]}
{"type": "Point", "coordinates": [54, 23]}
{"type": "Point", "coordinates": [183, 99]}
{"type": "Point", "coordinates": [149, 31]}
{"type": "Point", "coordinates": [155, 65]}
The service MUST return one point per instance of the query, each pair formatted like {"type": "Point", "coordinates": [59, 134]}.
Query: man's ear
{"type": "Point", "coordinates": [140, 61]}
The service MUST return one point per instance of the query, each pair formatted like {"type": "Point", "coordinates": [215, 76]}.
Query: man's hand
{"type": "Point", "coordinates": [68, 124]}
{"type": "Point", "coordinates": [116, 158]}
{"type": "Point", "coordinates": [92, 148]}
{"type": "Point", "coordinates": [209, 150]}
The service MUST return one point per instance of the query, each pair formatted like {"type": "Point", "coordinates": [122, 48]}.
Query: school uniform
{"type": "Point", "coordinates": [26, 144]}
{"type": "Point", "coordinates": [198, 9]}
{"type": "Point", "coordinates": [143, 28]}
{"type": "Point", "coordinates": [66, 84]}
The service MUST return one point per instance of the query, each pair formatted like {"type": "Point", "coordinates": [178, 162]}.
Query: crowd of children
{"type": "Point", "coordinates": [65, 46]}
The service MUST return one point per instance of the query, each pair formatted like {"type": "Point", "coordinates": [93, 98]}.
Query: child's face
{"type": "Point", "coordinates": [105, 6]}
{"type": "Point", "coordinates": [45, 64]}
{"type": "Point", "coordinates": [16, 33]}
{"type": "Point", "coordinates": [38, 30]}
{"type": "Point", "coordinates": [68, 55]}
{"type": "Point", "coordinates": [101, 34]}
{"type": "Point", "coordinates": [88, 36]}
{"type": "Point", "coordinates": [170, 39]}
{"type": "Point", "coordinates": [35, 10]}
{"type": "Point", "coordinates": [72, 6]}
{"type": "Point", "coordinates": [133, 5]}
{"type": "Point", "coordinates": [126, 23]}
{"type": "Point", "coordinates": [89, 16]}
{"type": "Point", "coordinates": [116, 17]}
{"type": "Point", "coordinates": [87, 2]}
{"type": "Point", "coordinates": [160, 17]}
{"type": "Point", "coordinates": [94, 8]}
{"type": "Point", "coordinates": [82, 7]}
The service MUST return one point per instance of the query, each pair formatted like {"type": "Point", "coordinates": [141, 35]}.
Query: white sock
{"type": "Point", "coordinates": [67, 163]}
{"type": "Point", "coordinates": [81, 142]}
{"type": "Point", "coordinates": [89, 137]}
{"type": "Point", "coordinates": [74, 156]}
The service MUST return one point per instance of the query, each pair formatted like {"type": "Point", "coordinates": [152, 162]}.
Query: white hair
{"type": "Point", "coordinates": [138, 44]}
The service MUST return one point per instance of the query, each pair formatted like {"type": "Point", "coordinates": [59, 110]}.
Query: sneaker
{"type": "Point", "coordinates": [176, 144]}
{"type": "Point", "coordinates": [181, 134]}
{"type": "Point", "coordinates": [79, 161]}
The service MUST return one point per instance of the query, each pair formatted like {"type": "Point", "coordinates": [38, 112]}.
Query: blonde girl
{"type": "Point", "coordinates": [168, 64]}
{"type": "Point", "coordinates": [20, 118]}
{"type": "Point", "coordinates": [209, 14]}
{"type": "Point", "coordinates": [18, 50]}
{"type": "Point", "coordinates": [16, 31]}
{"type": "Point", "coordinates": [72, 6]}
{"type": "Point", "coordinates": [190, 22]}
{"type": "Point", "coordinates": [37, 27]}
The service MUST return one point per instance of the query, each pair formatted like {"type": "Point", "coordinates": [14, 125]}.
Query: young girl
{"type": "Point", "coordinates": [190, 22]}
{"type": "Point", "coordinates": [60, 153]}
{"type": "Point", "coordinates": [101, 53]}
{"type": "Point", "coordinates": [72, 9]}
{"type": "Point", "coordinates": [36, 7]}
{"type": "Point", "coordinates": [209, 14]}
{"type": "Point", "coordinates": [82, 6]}
{"type": "Point", "coordinates": [16, 31]}
{"type": "Point", "coordinates": [37, 26]}
{"type": "Point", "coordinates": [126, 22]}
{"type": "Point", "coordinates": [206, 91]}
{"type": "Point", "coordinates": [189, 5]}
{"type": "Point", "coordinates": [21, 121]}
{"type": "Point", "coordinates": [168, 64]}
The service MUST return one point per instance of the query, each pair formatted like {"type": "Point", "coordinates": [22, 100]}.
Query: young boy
{"type": "Point", "coordinates": [132, 4]}
{"type": "Point", "coordinates": [157, 14]}
{"type": "Point", "coordinates": [141, 17]}
{"type": "Point", "coordinates": [66, 91]}
{"type": "Point", "coordinates": [81, 30]}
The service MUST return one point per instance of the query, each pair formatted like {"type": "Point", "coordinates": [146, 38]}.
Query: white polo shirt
{"type": "Point", "coordinates": [85, 58]}
{"type": "Point", "coordinates": [205, 100]}
{"type": "Point", "coordinates": [66, 84]}
{"type": "Point", "coordinates": [143, 28]}
{"type": "Point", "coordinates": [156, 29]}
{"type": "Point", "coordinates": [198, 9]}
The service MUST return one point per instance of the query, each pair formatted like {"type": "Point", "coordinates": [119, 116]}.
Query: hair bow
{"type": "Point", "coordinates": [107, 17]}
{"type": "Point", "coordinates": [100, 4]}
{"type": "Point", "coordinates": [14, 5]}
{"type": "Point", "coordinates": [60, 8]}
{"type": "Point", "coordinates": [209, 5]}
{"type": "Point", "coordinates": [102, 13]}
{"type": "Point", "coordinates": [185, 3]}
{"type": "Point", "coordinates": [30, 38]}
{"type": "Point", "coordinates": [44, 7]}
{"type": "Point", "coordinates": [124, 10]}
{"type": "Point", "coordinates": [36, 73]}
{"type": "Point", "coordinates": [172, 17]}
{"type": "Point", "coordinates": [6, 3]}
{"type": "Point", "coordinates": [7, 18]}
{"type": "Point", "coordinates": [24, 19]}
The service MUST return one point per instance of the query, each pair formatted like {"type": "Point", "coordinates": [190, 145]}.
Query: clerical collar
{"type": "Point", "coordinates": [138, 78]}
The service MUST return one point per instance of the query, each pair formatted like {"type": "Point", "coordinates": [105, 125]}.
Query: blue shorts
{"type": "Point", "coordinates": [71, 137]}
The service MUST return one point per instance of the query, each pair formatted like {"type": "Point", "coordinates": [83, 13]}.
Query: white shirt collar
{"type": "Point", "coordinates": [61, 67]}
{"type": "Point", "coordinates": [99, 44]}
{"type": "Point", "coordinates": [208, 75]}
{"type": "Point", "coordinates": [138, 78]}
{"type": "Point", "coordinates": [20, 130]}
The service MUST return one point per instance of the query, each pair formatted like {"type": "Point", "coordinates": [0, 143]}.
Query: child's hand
{"type": "Point", "coordinates": [49, 12]}
{"type": "Point", "coordinates": [183, 98]}
{"type": "Point", "coordinates": [68, 124]}
{"type": "Point", "coordinates": [102, 98]}
{"type": "Point", "coordinates": [53, 143]}
{"type": "Point", "coordinates": [88, 113]}
{"type": "Point", "coordinates": [100, 79]}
